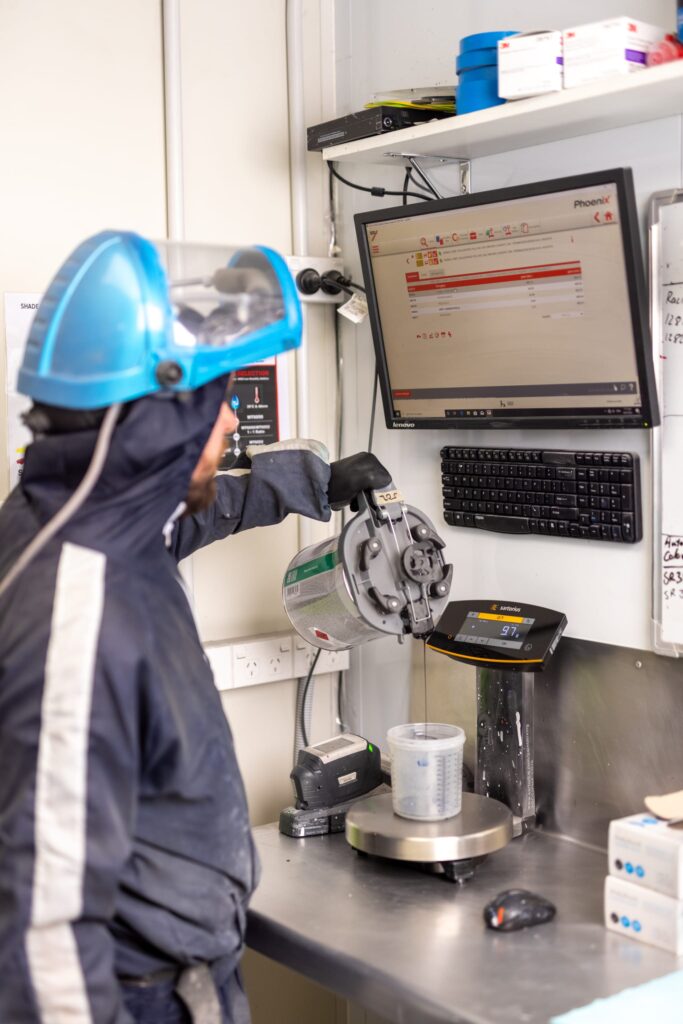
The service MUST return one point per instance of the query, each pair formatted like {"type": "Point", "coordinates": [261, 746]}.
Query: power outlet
{"type": "Point", "coordinates": [220, 659]}
{"type": "Point", "coordinates": [323, 265]}
{"type": "Point", "coordinates": [329, 661]}
{"type": "Point", "coordinates": [262, 661]}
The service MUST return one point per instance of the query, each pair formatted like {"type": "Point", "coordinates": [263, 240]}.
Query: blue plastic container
{"type": "Point", "coordinates": [476, 59]}
{"type": "Point", "coordinates": [477, 95]}
{"type": "Point", "coordinates": [483, 40]}
{"type": "Point", "coordinates": [477, 69]}
{"type": "Point", "coordinates": [489, 73]}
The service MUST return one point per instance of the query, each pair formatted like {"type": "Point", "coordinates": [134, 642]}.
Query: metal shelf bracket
{"type": "Point", "coordinates": [422, 166]}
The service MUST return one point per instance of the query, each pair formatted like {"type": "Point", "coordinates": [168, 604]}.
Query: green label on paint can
{"type": "Point", "coordinates": [313, 568]}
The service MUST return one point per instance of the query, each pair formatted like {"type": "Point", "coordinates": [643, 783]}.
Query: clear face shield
{"type": "Point", "coordinates": [219, 295]}
{"type": "Point", "coordinates": [230, 306]}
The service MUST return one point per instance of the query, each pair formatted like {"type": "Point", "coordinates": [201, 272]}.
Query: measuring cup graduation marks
{"type": "Point", "coordinates": [426, 770]}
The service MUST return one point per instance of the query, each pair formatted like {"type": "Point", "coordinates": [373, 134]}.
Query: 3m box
{"type": "Point", "coordinates": [642, 914]}
{"type": "Point", "coordinates": [647, 852]}
{"type": "Point", "coordinates": [529, 64]}
{"type": "Point", "coordinates": [606, 48]}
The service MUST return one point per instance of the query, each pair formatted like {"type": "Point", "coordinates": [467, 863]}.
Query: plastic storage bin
{"type": "Point", "coordinates": [426, 770]}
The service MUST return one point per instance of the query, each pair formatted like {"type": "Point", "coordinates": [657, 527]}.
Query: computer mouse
{"type": "Point", "coordinates": [517, 908]}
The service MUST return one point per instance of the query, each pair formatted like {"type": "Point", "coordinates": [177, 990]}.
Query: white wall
{"type": "Point", "coordinates": [236, 177]}
{"type": "Point", "coordinates": [81, 124]}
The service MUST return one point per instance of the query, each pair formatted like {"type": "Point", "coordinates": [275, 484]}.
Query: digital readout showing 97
{"type": "Point", "coordinates": [489, 630]}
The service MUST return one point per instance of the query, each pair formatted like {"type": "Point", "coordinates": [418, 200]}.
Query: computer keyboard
{"type": "Point", "coordinates": [595, 495]}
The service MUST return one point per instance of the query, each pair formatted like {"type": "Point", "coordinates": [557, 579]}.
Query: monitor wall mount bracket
{"type": "Point", "coordinates": [422, 165]}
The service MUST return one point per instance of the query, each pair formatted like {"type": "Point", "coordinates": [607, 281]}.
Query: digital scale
{"type": "Point", "coordinates": [500, 635]}
{"type": "Point", "coordinates": [506, 642]}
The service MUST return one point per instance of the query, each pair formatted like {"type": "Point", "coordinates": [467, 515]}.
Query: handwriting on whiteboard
{"type": "Point", "coordinates": [667, 269]}
{"type": "Point", "coordinates": [672, 584]}
{"type": "Point", "coordinates": [671, 347]}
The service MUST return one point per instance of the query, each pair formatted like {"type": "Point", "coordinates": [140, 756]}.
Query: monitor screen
{"type": "Point", "coordinates": [520, 307]}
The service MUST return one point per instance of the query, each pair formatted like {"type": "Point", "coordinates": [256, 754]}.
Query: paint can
{"type": "Point", "coordinates": [385, 574]}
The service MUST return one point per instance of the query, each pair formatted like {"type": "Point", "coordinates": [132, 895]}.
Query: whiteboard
{"type": "Point", "coordinates": [666, 298]}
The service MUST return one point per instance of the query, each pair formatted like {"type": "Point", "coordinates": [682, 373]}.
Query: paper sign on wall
{"type": "Point", "coordinates": [258, 397]}
{"type": "Point", "coordinates": [20, 308]}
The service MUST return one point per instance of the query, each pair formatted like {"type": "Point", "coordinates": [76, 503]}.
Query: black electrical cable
{"type": "Point", "coordinates": [374, 407]}
{"type": "Point", "coordinates": [344, 284]}
{"type": "Point", "coordinates": [406, 182]}
{"type": "Point", "coordinates": [311, 670]}
{"type": "Point", "coordinates": [423, 183]}
{"type": "Point", "coordinates": [375, 190]}
{"type": "Point", "coordinates": [336, 283]}
{"type": "Point", "coordinates": [340, 701]}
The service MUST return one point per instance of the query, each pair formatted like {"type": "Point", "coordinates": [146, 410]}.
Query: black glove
{"type": "Point", "coordinates": [350, 476]}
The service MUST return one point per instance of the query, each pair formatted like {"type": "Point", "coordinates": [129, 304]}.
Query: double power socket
{"type": "Point", "coordinates": [267, 659]}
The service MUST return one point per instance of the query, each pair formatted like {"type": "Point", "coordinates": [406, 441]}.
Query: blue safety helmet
{"type": "Point", "coordinates": [125, 317]}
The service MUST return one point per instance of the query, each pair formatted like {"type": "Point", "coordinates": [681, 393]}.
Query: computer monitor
{"type": "Point", "coordinates": [518, 307]}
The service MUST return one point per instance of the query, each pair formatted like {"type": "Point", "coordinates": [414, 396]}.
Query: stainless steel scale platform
{"type": "Point", "coordinates": [454, 846]}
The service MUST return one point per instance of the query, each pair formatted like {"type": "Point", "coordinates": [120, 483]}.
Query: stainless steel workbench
{"type": "Point", "coordinates": [413, 947]}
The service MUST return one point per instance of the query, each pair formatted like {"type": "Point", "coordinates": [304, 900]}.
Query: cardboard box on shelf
{"type": "Point", "coordinates": [602, 49]}
{"type": "Point", "coordinates": [530, 64]}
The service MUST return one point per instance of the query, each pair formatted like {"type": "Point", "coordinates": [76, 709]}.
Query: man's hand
{"type": "Point", "coordinates": [350, 476]}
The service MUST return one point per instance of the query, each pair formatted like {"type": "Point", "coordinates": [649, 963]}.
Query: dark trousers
{"type": "Point", "coordinates": [160, 1004]}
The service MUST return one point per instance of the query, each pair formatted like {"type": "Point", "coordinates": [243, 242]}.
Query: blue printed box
{"type": "Point", "coordinates": [647, 852]}
{"type": "Point", "coordinates": [644, 915]}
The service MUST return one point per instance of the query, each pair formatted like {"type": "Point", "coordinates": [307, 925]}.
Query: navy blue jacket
{"type": "Point", "coordinates": [124, 836]}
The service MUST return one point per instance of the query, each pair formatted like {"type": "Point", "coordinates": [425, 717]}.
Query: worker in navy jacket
{"type": "Point", "coordinates": [126, 860]}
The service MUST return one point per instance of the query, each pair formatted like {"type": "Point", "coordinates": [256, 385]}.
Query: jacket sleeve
{"type": "Point", "coordinates": [290, 476]}
{"type": "Point", "coordinates": [68, 792]}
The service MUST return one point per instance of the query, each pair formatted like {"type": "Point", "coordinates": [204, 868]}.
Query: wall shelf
{"type": "Point", "coordinates": [641, 96]}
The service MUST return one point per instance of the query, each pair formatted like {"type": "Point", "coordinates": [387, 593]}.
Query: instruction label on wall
{"type": "Point", "coordinates": [255, 401]}
{"type": "Point", "coordinates": [20, 308]}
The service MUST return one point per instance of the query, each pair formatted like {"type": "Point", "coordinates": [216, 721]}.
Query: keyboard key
{"type": "Point", "coordinates": [502, 524]}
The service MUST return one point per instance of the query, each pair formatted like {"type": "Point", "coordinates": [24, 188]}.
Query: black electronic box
{"type": "Point", "coordinates": [373, 121]}
{"type": "Point", "coordinates": [498, 634]}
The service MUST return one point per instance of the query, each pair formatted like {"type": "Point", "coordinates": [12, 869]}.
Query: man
{"type": "Point", "coordinates": [126, 861]}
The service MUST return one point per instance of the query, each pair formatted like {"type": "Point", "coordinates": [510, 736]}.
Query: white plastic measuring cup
{"type": "Point", "coordinates": [426, 770]}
